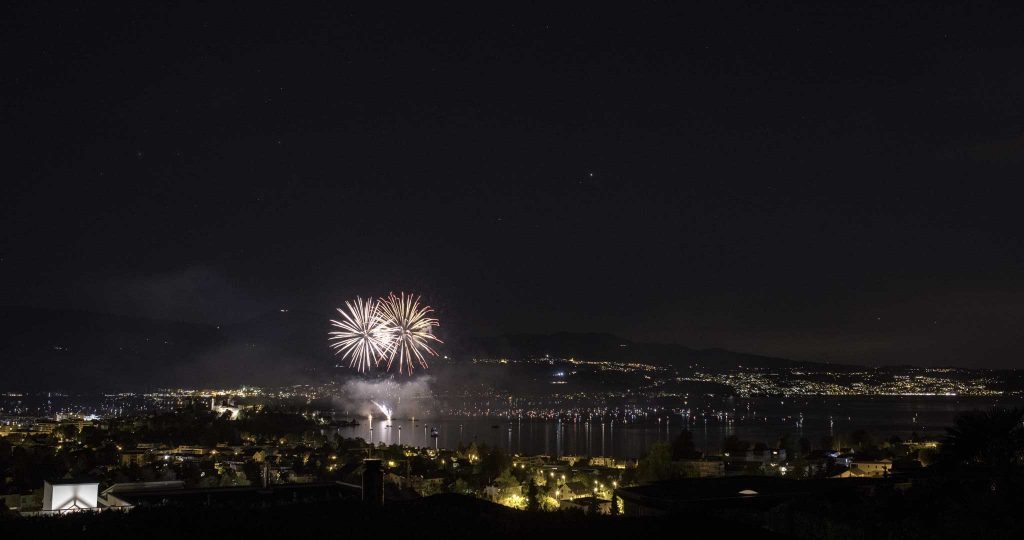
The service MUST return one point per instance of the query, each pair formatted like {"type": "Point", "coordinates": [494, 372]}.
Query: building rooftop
{"type": "Point", "coordinates": [71, 481]}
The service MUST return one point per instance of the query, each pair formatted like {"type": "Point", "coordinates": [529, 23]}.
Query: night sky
{"type": "Point", "coordinates": [819, 182]}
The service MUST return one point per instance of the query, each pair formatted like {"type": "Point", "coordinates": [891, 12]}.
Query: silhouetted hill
{"type": "Point", "coordinates": [65, 349]}
{"type": "Point", "coordinates": [604, 346]}
{"type": "Point", "coordinates": [45, 349]}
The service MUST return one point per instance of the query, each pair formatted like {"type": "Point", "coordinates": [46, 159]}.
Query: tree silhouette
{"type": "Point", "coordinates": [657, 465]}
{"type": "Point", "coordinates": [827, 442]}
{"type": "Point", "coordinates": [733, 444]}
{"type": "Point", "coordinates": [683, 447]}
{"type": "Point", "coordinates": [861, 440]}
{"type": "Point", "coordinates": [805, 446]}
{"type": "Point", "coordinates": [991, 439]}
{"type": "Point", "coordinates": [532, 498]}
{"type": "Point", "coordinates": [493, 463]}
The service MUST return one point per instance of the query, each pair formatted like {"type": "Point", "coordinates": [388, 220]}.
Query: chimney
{"type": "Point", "coordinates": [373, 482]}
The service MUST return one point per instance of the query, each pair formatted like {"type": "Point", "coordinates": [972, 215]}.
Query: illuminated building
{"type": "Point", "coordinates": [133, 457]}
{"type": "Point", "coordinates": [69, 496]}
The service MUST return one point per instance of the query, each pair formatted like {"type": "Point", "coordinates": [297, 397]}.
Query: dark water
{"type": "Point", "coordinates": [759, 419]}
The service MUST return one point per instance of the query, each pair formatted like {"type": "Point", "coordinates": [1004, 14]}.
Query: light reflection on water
{"type": "Point", "coordinates": [766, 420]}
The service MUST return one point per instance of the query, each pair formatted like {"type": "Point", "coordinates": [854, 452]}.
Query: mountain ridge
{"type": "Point", "coordinates": [608, 346]}
{"type": "Point", "coordinates": [66, 349]}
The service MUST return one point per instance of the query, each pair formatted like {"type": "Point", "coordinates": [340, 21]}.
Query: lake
{"type": "Point", "coordinates": [754, 419]}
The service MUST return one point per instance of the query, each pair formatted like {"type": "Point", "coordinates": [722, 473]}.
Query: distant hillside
{"type": "Point", "coordinates": [603, 346]}
{"type": "Point", "coordinates": [76, 350]}
{"type": "Point", "coordinates": [43, 349]}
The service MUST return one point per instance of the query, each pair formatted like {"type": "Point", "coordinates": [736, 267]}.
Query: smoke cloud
{"type": "Point", "coordinates": [406, 399]}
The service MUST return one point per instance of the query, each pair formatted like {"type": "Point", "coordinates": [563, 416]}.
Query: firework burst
{"type": "Point", "coordinates": [409, 330]}
{"type": "Point", "coordinates": [363, 334]}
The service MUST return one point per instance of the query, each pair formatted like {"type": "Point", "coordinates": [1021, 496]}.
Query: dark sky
{"type": "Point", "coordinates": [818, 182]}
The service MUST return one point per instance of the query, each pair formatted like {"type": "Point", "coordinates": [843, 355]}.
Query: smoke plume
{"type": "Point", "coordinates": [406, 399]}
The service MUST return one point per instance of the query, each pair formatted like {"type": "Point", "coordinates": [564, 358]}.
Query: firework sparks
{"type": "Point", "coordinates": [384, 409]}
{"type": "Point", "coordinates": [409, 330]}
{"type": "Point", "coordinates": [363, 335]}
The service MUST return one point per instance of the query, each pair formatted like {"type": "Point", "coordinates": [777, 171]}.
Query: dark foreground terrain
{"type": "Point", "coordinates": [440, 516]}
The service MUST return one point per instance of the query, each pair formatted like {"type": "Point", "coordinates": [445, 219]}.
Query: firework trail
{"type": "Point", "coordinates": [363, 334]}
{"type": "Point", "coordinates": [384, 409]}
{"type": "Point", "coordinates": [409, 330]}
